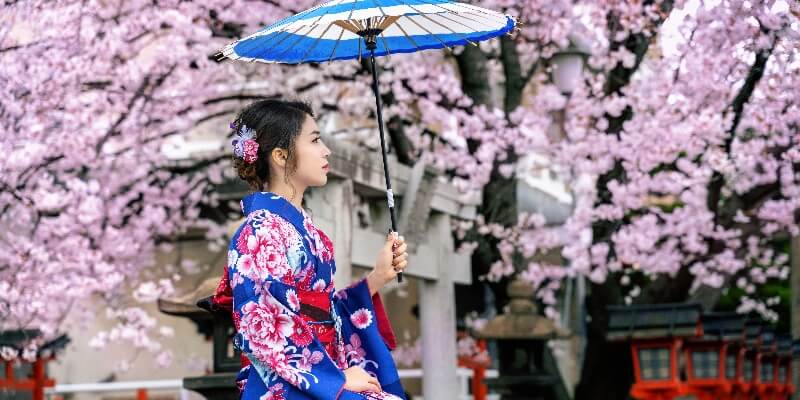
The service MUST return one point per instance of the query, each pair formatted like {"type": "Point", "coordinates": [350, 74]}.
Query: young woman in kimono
{"type": "Point", "coordinates": [302, 339]}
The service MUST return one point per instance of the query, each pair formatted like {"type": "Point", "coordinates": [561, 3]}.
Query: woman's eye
{"type": "Point", "coordinates": [315, 140]}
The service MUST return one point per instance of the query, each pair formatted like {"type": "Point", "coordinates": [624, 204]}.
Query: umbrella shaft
{"type": "Point", "coordinates": [389, 194]}
{"type": "Point", "coordinates": [384, 151]}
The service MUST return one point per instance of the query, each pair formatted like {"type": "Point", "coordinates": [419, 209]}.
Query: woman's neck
{"type": "Point", "coordinates": [293, 194]}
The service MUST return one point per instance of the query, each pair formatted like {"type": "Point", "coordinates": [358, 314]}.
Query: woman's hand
{"type": "Point", "coordinates": [392, 259]}
{"type": "Point", "coordinates": [358, 380]}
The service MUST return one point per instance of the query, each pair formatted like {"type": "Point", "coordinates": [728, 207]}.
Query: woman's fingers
{"type": "Point", "coordinates": [400, 249]}
{"type": "Point", "coordinates": [374, 381]}
{"type": "Point", "coordinates": [400, 241]}
{"type": "Point", "coordinates": [400, 267]}
{"type": "Point", "coordinates": [397, 260]}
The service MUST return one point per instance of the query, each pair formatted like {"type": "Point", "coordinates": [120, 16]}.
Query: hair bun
{"type": "Point", "coordinates": [247, 172]}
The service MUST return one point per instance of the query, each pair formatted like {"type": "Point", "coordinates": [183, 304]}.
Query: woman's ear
{"type": "Point", "coordinates": [279, 157]}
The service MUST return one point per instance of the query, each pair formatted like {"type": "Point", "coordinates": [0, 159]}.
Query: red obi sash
{"type": "Point", "coordinates": [315, 310]}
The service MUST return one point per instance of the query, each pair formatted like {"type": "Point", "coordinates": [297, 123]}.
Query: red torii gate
{"type": "Point", "coordinates": [38, 380]}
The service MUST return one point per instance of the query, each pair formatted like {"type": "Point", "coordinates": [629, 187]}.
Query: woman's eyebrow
{"type": "Point", "coordinates": [316, 133]}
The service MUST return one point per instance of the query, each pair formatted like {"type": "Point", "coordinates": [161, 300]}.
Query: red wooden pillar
{"type": "Point", "coordinates": [479, 389]}
{"type": "Point", "coordinates": [39, 379]}
{"type": "Point", "coordinates": [739, 386]}
{"type": "Point", "coordinates": [35, 383]}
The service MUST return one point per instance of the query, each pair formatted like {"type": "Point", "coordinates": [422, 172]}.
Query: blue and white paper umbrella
{"type": "Point", "coordinates": [351, 29]}
{"type": "Point", "coordinates": [336, 30]}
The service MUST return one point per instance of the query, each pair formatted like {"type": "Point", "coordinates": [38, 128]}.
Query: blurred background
{"type": "Point", "coordinates": [603, 204]}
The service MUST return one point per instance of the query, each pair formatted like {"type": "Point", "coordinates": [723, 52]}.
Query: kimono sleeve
{"type": "Point", "coordinates": [270, 332]}
{"type": "Point", "coordinates": [357, 297]}
{"type": "Point", "coordinates": [368, 336]}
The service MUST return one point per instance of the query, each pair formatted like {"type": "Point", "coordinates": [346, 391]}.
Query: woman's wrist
{"type": "Point", "coordinates": [375, 282]}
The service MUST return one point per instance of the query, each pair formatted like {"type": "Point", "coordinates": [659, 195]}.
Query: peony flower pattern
{"type": "Point", "coordinates": [266, 326]}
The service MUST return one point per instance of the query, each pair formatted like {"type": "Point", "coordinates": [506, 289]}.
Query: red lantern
{"type": "Point", "coordinates": [656, 334]}
{"type": "Point", "coordinates": [711, 360]}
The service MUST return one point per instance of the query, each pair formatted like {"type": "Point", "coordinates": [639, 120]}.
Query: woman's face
{"type": "Point", "coordinates": [311, 156]}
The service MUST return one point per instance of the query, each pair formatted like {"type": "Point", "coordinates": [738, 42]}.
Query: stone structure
{"type": "Point", "coordinates": [527, 368]}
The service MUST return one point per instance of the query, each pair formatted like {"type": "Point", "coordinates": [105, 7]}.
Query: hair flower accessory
{"type": "Point", "coordinates": [244, 144]}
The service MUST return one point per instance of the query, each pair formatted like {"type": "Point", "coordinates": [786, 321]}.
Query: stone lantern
{"type": "Point", "coordinates": [216, 325]}
{"type": "Point", "coordinates": [527, 369]}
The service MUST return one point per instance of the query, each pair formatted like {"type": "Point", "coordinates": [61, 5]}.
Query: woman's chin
{"type": "Point", "coordinates": [321, 182]}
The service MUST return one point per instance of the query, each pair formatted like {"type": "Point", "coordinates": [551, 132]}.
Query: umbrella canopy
{"type": "Point", "coordinates": [336, 30]}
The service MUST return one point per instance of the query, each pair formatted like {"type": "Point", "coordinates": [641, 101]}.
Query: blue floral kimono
{"type": "Point", "coordinates": [296, 333]}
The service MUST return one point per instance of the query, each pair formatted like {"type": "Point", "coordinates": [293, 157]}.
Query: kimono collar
{"type": "Point", "coordinates": [275, 204]}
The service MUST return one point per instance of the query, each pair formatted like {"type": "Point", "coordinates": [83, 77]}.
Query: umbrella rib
{"type": "Point", "coordinates": [254, 44]}
{"type": "Point", "coordinates": [460, 14]}
{"type": "Point", "coordinates": [379, 7]}
{"type": "Point", "coordinates": [317, 7]}
{"type": "Point", "coordinates": [435, 36]}
{"type": "Point", "coordinates": [426, 16]}
{"type": "Point", "coordinates": [335, 45]}
{"type": "Point", "coordinates": [313, 45]}
{"type": "Point", "coordinates": [465, 26]}
{"type": "Point", "coordinates": [383, 38]}
{"type": "Point", "coordinates": [448, 11]}
{"type": "Point", "coordinates": [299, 38]}
{"type": "Point", "coordinates": [486, 18]}
{"type": "Point", "coordinates": [313, 26]}
{"type": "Point", "coordinates": [471, 7]}
{"type": "Point", "coordinates": [359, 50]}
{"type": "Point", "coordinates": [276, 44]}
{"type": "Point", "coordinates": [388, 52]}
{"type": "Point", "coordinates": [406, 34]}
{"type": "Point", "coordinates": [351, 11]}
{"type": "Point", "coordinates": [283, 30]}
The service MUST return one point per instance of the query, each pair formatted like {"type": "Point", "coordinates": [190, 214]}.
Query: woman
{"type": "Point", "coordinates": [302, 341]}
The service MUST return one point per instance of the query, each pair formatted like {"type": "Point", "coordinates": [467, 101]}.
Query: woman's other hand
{"type": "Point", "coordinates": [392, 259]}
{"type": "Point", "coordinates": [358, 380]}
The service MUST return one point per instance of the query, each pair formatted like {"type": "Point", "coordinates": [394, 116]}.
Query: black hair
{"type": "Point", "coordinates": [277, 124]}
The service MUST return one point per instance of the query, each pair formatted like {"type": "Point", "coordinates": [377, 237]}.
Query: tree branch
{"type": "Point", "coordinates": [737, 107]}
{"type": "Point", "coordinates": [514, 81]}
{"type": "Point", "coordinates": [474, 75]}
